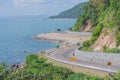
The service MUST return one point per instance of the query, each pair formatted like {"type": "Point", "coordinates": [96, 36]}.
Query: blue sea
{"type": "Point", "coordinates": [16, 33]}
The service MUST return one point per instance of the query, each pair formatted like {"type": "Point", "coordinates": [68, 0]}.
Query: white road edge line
{"type": "Point", "coordinates": [82, 65]}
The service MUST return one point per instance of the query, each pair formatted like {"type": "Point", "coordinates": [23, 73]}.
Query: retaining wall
{"type": "Point", "coordinates": [98, 57]}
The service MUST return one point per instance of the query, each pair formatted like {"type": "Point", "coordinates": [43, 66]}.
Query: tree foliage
{"type": "Point", "coordinates": [38, 69]}
{"type": "Point", "coordinates": [101, 13]}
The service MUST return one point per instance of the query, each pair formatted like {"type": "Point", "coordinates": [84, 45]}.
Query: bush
{"type": "Point", "coordinates": [117, 39]}
{"type": "Point", "coordinates": [96, 32]}
{"type": "Point", "coordinates": [38, 69]}
{"type": "Point", "coordinates": [85, 48]}
{"type": "Point", "coordinates": [93, 39]}
{"type": "Point", "coordinates": [1, 67]}
{"type": "Point", "coordinates": [105, 33]}
{"type": "Point", "coordinates": [115, 76]}
{"type": "Point", "coordinates": [114, 50]}
{"type": "Point", "coordinates": [80, 21]}
{"type": "Point", "coordinates": [87, 43]}
{"type": "Point", "coordinates": [30, 58]}
{"type": "Point", "coordinates": [104, 48]}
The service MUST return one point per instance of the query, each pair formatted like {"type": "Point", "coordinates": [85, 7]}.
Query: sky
{"type": "Point", "coordinates": [35, 7]}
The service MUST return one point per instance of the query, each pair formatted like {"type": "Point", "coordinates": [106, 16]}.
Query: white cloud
{"type": "Point", "coordinates": [40, 1]}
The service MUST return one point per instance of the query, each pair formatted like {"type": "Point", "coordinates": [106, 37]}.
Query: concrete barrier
{"type": "Point", "coordinates": [98, 57]}
{"type": "Point", "coordinates": [82, 65]}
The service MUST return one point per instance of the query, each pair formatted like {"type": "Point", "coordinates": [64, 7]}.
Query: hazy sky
{"type": "Point", "coordinates": [35, 7]}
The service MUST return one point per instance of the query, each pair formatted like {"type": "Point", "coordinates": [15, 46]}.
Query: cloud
{"type": "Point", "coordinates": [39, 1]}
{"type": "Point", "coordinates": [35, 7]}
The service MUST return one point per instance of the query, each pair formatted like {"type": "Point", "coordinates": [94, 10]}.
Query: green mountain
{"type": "Point", "coordinates": [74, 12]}
{"type": "Point", "coordinates": [104, 18]}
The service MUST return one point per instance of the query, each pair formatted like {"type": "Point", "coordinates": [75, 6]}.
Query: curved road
{"type": "Point", "coordinates": [64, 55]}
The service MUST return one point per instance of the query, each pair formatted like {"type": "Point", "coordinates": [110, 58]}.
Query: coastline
{"type": "Point", "coordinates": [70, 39]}
{"type": "Point", "coordinates": [69, 43]}
{"type": "Point", "coordinates": [64, 38]}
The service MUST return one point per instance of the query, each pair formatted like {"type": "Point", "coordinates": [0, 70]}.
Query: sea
{"type": "Point", "coordinates": [16, 32]}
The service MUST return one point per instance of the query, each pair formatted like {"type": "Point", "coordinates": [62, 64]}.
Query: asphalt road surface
{"type": "Point", "coordinates": [64, 55]}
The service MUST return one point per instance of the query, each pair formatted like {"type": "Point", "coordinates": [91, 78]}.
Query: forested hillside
{"type": "Point", "coordinates": [74, 12]}
{"type": "Point", "coordinates": [104, 17]}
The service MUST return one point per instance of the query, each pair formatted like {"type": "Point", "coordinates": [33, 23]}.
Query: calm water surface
{"type": "Point", "coordinates": [15, 36]}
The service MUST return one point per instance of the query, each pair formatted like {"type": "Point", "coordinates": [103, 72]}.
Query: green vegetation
{"type": "Point", "coordinates": [95, 35]}
{"type": "Point", "coordinates": [102, 14]}
{"type": "Point", "coordinates": [105, 32]}
{"type": "Point", "coordinates": [37, 69]}
{"type": "Point", "coordinates": [87, 43]}
{"type": "Point", "coordinates": [86, 46]}
{"type": "Point", "coordinates": [94, 11]}
{"type": "Point", "coordinates": [114, 50]}
{"type": "Point", "coordinates": [96, 32]}
{"type": "Point", "coordinates": [118, 39]}
{"type": "Point", "coordinates": [80, 21]}
{"type": "Point", "coordinates": [115, 76]}
{"type": "Point", "coordinates": [74, 12]}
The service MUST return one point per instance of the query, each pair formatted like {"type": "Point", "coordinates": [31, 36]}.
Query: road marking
{"type": "Point", "coordinates": [82, 65]}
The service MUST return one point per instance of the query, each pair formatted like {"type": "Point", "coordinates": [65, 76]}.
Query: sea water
{"type": "Point", "coordinates": [16, 33]}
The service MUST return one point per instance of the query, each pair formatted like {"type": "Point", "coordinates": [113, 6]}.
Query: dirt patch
{"type": "Point", "coordinates": [87, 26]}
{"type": "Point", "coordinates": [106, 38]}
